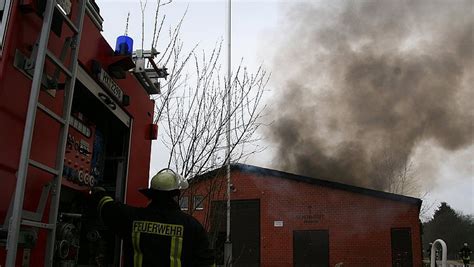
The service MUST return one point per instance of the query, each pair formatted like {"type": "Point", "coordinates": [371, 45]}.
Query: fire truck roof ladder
{"type": "Point", "coordinates": [18, 217]}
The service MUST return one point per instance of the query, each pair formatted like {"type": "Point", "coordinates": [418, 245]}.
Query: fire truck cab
{"type": "Point", "coordinates": [74, 113]}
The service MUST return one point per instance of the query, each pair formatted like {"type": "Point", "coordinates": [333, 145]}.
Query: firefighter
{"type": "Point", "coordinates": [465, 253]}
{"type": "Point", "coordinates": [159, 234]}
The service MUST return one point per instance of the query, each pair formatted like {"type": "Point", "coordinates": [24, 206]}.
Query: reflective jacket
{"type": "Point", "coordinates": [465, 253]}
{"type": "Point", "coordinates": [157, 235]}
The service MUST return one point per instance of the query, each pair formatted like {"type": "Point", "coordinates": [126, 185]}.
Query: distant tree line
{"type": "Point", "coordinates": [452, 227]}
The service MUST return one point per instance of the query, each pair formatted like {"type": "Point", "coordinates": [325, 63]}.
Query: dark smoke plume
{"type": "Point", "coordinates": [360, 84]}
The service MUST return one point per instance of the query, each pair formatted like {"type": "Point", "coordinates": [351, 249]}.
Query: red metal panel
{"type": "Point", "coordinates": [14, 92]}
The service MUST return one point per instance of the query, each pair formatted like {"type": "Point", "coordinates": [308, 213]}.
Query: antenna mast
{"type": "Point", "coordinates": [228, 243]}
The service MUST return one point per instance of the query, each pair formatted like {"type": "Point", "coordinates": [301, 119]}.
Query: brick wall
{"type": "Point", "coordinates": [359, 225]}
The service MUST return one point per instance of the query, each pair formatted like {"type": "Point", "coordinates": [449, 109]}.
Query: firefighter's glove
{"type": "Point", "coordinates": [97, 193]}
{"type": "Point", "coordinates": [97, 189]}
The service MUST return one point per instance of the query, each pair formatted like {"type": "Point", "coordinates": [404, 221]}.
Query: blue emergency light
{"type": "Point", "coordinates": [124, 46]}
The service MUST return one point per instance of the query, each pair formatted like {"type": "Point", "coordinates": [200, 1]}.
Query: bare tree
{"type": "Point", "coordinates": [192, 106]}
{"type": "Point", "coordinates": [401, 178]}
{"type": "Point", "coordinates": [192, 113]}
{"type": "Point", "coordinates": [196, 120]}
{"type": "Point", "coordinates": [195, 116]}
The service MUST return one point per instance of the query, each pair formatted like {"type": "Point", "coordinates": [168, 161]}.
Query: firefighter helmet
{"type": "Point", "coordinates": [165, 180]}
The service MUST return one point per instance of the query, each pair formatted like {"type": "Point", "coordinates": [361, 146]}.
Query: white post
{"type": "Point", "coordinates": [444, 251]}
{"type": "Point", "coordinates": [228, 243]}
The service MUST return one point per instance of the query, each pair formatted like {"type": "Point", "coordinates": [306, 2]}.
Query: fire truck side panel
{"type": "Point", "coordinates": [121, 152]}
{"type": "Point", "coordinates": [14, 93]}
{"type": "Point", "coordinates": [95, 47]}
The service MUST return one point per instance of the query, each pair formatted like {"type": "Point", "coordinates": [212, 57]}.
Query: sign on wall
{"type": "Point", "coordinates": [309, 215]}
{"type": "Point", "coordinates": [278, 223]}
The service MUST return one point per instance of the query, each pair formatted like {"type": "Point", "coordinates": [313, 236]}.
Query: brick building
{"type": "Point", "coordinates": [283, 219]}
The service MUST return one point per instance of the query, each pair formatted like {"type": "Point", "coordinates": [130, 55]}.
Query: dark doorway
{"type": "Point", "coordinates": [311, 248]}
{"type": "Point", "coordinates": [245, 231]}
{"type": "Point", "coordinates": [401, 248]}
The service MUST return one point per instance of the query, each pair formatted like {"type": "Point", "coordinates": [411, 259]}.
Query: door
{"type": "Point", "coordinates": [401, 248]}
{"type": "Point", "coordinates": [244, 234]}
{"type": "Point", "coordinates": [311, 248]}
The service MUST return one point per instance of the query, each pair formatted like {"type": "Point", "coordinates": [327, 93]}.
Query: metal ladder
{"type": "Point", "coordinates": [17, 218]}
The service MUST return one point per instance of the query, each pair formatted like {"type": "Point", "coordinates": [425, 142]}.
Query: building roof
{"type": "Point", "coordinates": [259, 171]}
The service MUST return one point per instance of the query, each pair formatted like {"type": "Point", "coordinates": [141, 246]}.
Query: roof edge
{"type": "Point", "coordinates": [300, 178]}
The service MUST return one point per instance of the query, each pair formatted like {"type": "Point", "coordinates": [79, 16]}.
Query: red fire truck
{"type": "Point", "coordinates": [74, 113]}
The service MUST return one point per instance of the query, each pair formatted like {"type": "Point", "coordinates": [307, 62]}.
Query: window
{"type": "Point", "coordinates": [184, 202]}
{"type": "Point", "coordinates": [198, 202]}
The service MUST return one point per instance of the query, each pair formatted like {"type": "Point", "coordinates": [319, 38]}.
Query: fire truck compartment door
{"type": "Point", "coordinates": [100, 93]}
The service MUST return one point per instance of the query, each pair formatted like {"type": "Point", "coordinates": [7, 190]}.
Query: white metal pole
{"type": "Point", "coordinates": [228, 243]}
{"type": "Point", "coordinates": [444, 253]}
